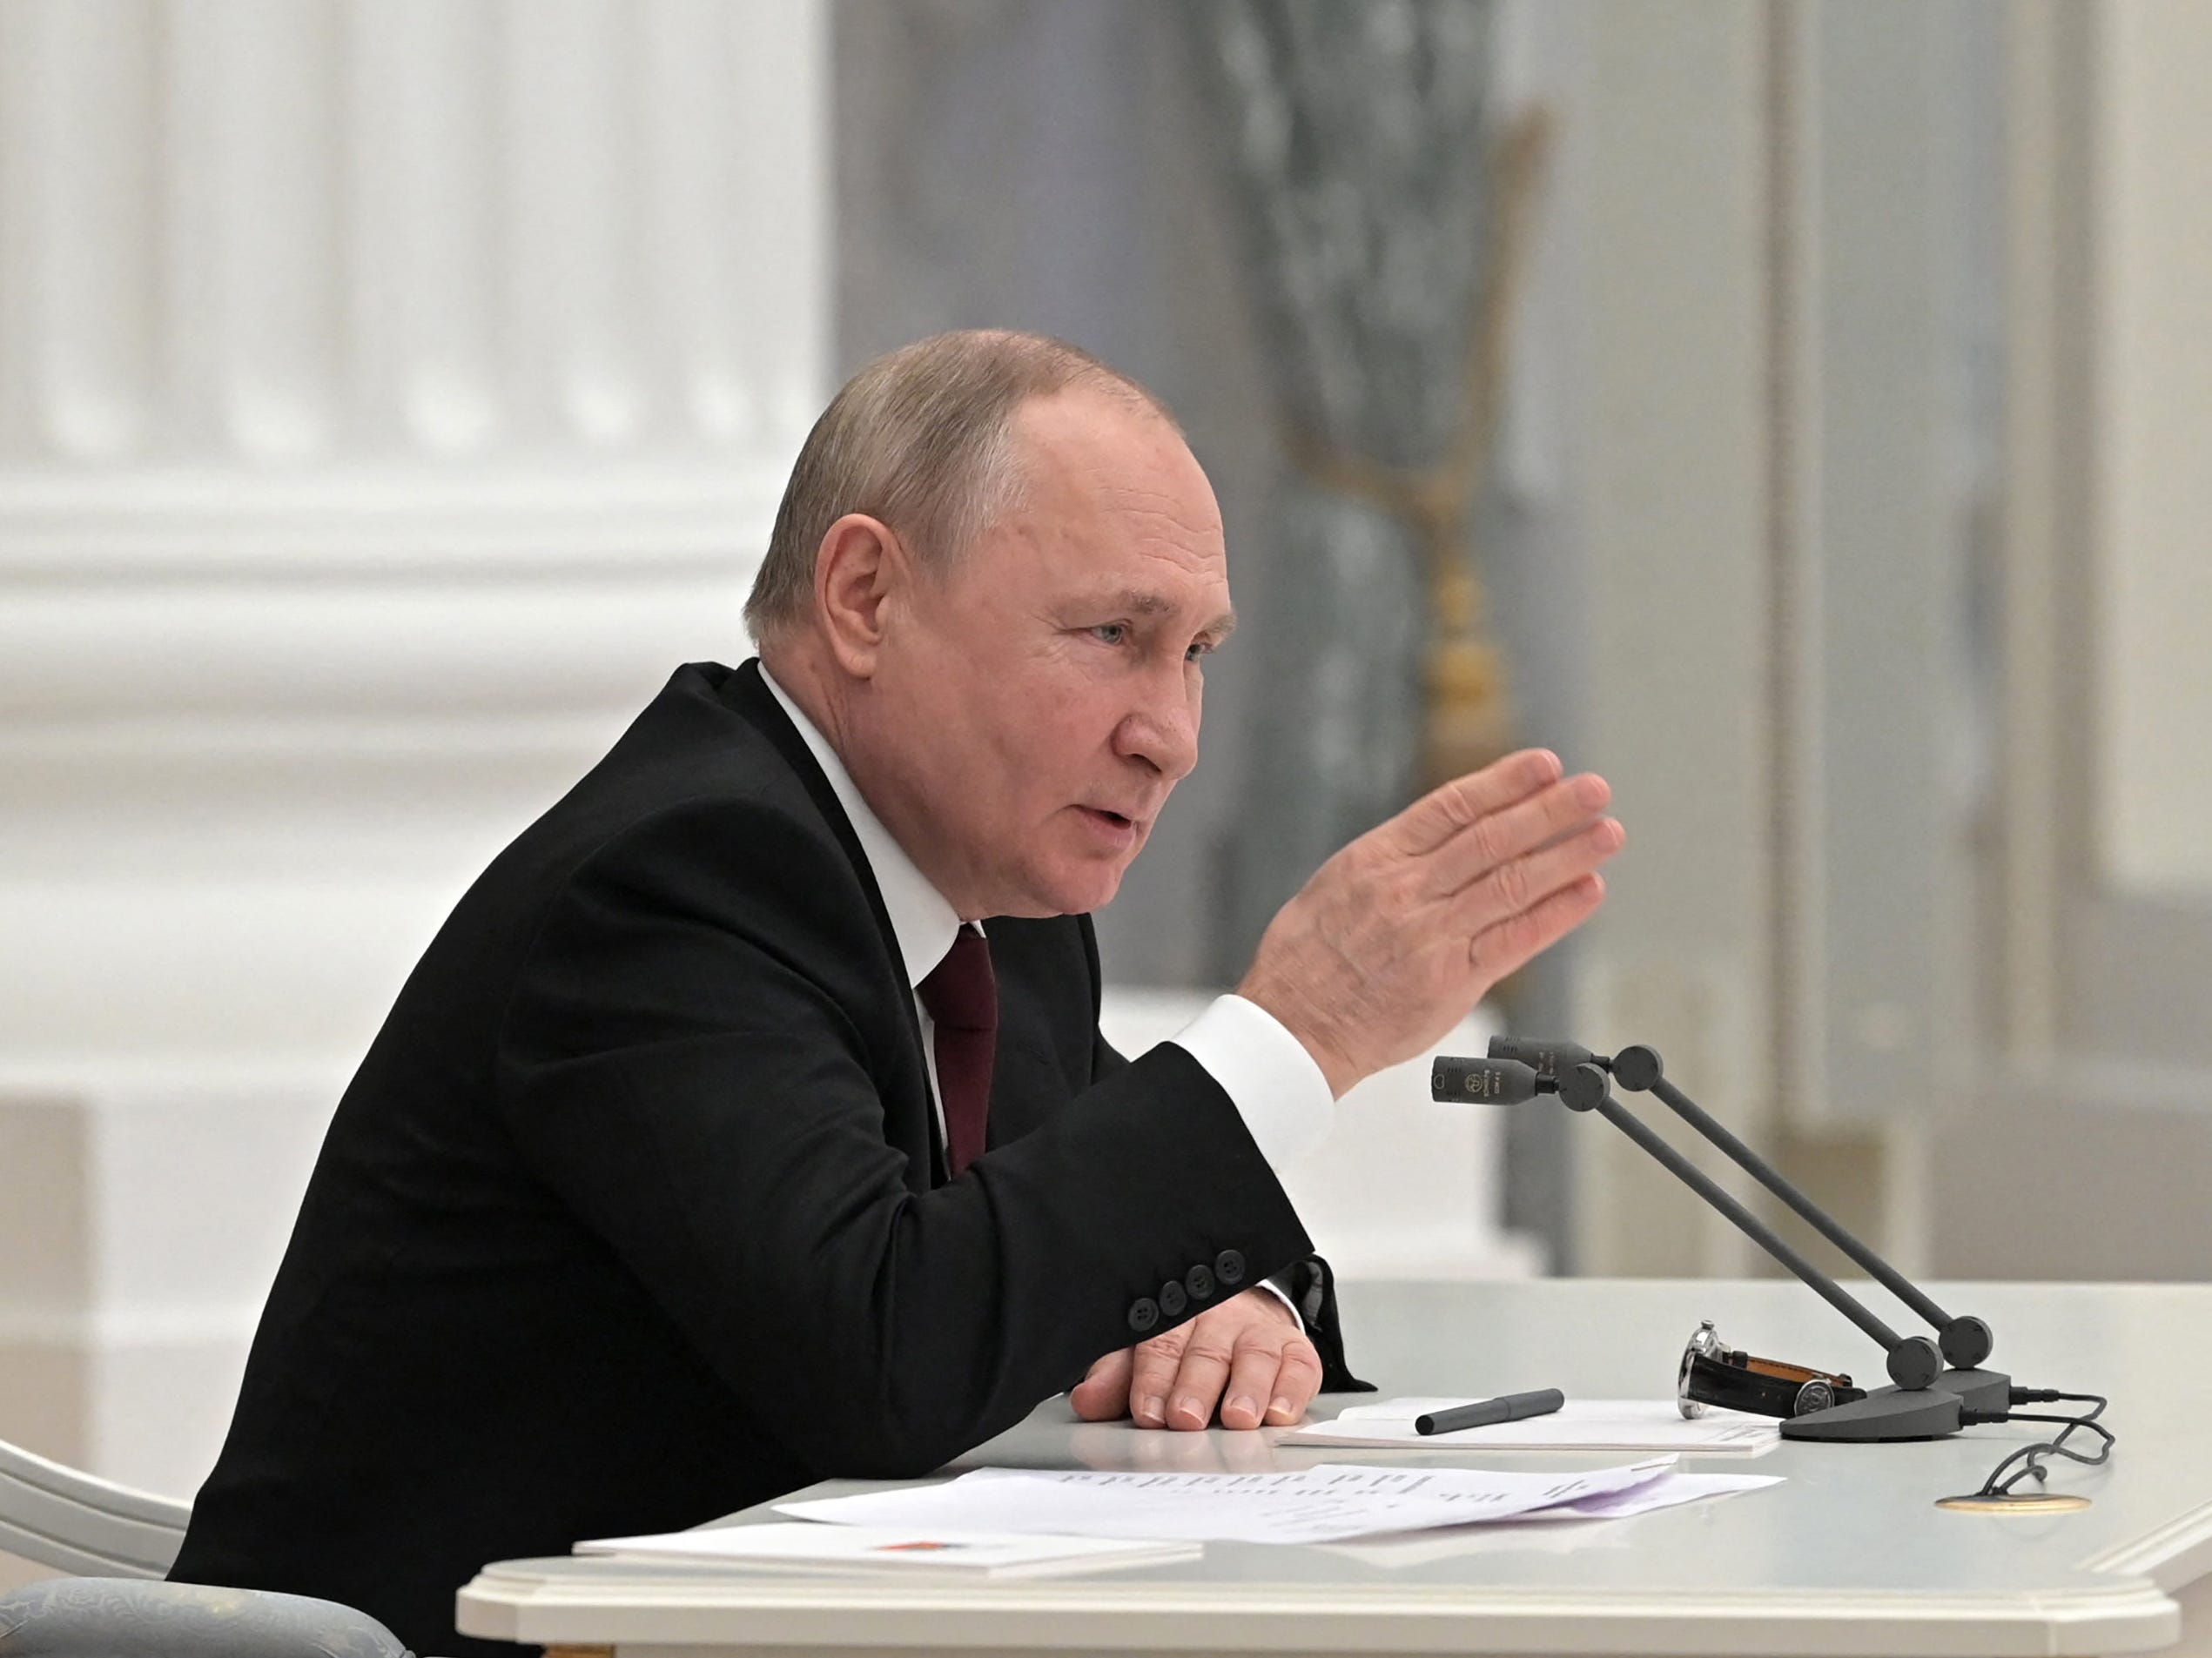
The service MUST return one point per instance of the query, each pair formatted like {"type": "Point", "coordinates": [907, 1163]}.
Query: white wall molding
{"type": "Point", "coordinates": [498, 521]}
{"type": "Point", "coordinates": [390, 397]}
{"type": "Point", "coordinates": [265, 653]}
{"type": "Point", "coordinates": [279, 233]}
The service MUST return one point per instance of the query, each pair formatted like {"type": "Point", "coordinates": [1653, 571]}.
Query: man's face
{"type": "Point", "coordinates": [1033, 708]}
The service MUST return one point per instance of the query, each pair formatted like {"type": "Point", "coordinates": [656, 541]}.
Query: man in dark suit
{"type": "Point", "coordinates": [748, 1121]}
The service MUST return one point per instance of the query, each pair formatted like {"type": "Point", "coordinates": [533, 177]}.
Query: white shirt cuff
{"type": "Point", "coordinates": [1275, 1287]}
{"type": "Point", "coordinates": [1267, 1074]}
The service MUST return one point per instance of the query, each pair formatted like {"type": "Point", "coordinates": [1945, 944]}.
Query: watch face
{"type": "Point", "coordinates": [1705, 1344]}
{"type": "Point", "coordinates": [1689, 1406]}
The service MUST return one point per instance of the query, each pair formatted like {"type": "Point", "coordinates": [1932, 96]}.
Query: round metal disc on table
{"type": "Point", "coordinates": [2033, 1502]}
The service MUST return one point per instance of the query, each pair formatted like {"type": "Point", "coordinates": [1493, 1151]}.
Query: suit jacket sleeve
{"type": "Point", "coordinates": [1311, 1285]}
{"type": "Point", "coordinates": [676, 1062]}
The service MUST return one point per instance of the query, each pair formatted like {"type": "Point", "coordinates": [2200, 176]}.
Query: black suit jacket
{"type": "Point", "coordinates": [633, 1215]}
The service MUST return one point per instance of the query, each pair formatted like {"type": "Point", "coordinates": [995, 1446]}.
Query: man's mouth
{"type": "Point", "coordinates": [1111, 823]}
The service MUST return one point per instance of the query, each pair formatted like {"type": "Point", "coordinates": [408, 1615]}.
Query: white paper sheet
{"type": "Point", "coordinates": [1580, 1425]}
{"type": "Point", "coordinates": [1316, 1504]}
{"type": "Point", "coordinates": [1530, 1533]}
{"type": "Point", "coordinates": [1665, 1491]}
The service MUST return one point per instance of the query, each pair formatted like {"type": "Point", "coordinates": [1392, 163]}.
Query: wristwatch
{"type": "Point", "coordinates": [1713, 1373]}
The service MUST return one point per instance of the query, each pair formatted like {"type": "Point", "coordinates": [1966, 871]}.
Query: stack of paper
{"type": "Point", "coordinates": [1580, 1425]}
{"type": "Point", "coordinates": [1319, 1505]}
{"type": "Point", "coordinates": [907, 1551]}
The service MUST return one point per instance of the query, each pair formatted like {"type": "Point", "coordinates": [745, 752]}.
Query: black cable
{"type": "Point", "coordinates": [2031, 1457]}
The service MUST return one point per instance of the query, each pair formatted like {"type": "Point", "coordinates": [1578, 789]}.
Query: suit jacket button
{"type": "Point", "coordinates": [1199, 1282]}
{"type": "Point", "coordinates": [1171, 1298]}
{"type": "Point", "coordinates": [1228, 1267]}
{"type": "Point", "coordinates": [1144, 1313]}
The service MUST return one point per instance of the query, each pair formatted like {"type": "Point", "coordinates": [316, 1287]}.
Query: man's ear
{"type": "Point", "coordinates": [859, 566]}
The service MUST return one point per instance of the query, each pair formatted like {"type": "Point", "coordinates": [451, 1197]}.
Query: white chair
{"type": "Point", "coordinates": [58, 1517]}
{"type": "Point", "coordinates": [118, 1542]}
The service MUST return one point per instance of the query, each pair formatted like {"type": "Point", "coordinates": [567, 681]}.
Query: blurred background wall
{"type": "Point", "coordinates": [391, 394]}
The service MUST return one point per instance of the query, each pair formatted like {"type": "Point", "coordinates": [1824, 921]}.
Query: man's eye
{"type": "Point", "coordinates": [1111, 633]}
{"type": "Point", "coordinates": [1198, 647]}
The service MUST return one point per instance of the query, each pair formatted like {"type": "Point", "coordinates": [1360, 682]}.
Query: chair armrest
{"type": "Point", "coordinates": [121, 1617]}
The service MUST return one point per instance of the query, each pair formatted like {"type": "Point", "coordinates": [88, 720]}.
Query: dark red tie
{"type": "Point", "coordinates": [963, 999]}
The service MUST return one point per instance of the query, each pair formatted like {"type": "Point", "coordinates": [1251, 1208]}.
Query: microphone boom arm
{"type": "Point", "coordinates": [1965, 1342]}
{"type": "Point", "coordinates": [1926, 1400]}
{"type": "Point", "coordinates": [1913, 1359]}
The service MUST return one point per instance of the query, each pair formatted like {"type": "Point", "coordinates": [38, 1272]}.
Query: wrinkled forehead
{"type": "Point", "coordinates": [1112, 452]}
{"type": "Point", "coordinates": [1109, 468]}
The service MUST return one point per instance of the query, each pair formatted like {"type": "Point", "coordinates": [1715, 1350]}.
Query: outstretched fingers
{"type": "Point", "coordinates": [1459, 804]}
{"type": "Point", "coordinates": [1395, 935]}
{"type": "Point", "coordinates": [1523, 881]}
{"type": "Point", "coordinates": [1509, 944]}
{"type": "Point", "coordinates": [1553, 812]}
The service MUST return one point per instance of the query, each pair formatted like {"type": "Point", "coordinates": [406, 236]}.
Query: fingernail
{"type": "Point", "coordinates": [1281, 1407]}
{"type": "Point", "coordinates": [1242, 1406]}
{"type": "Point", "coordinates": [1186, 1406]}
{"type": "Point", "coordinates": [1148, 1410]}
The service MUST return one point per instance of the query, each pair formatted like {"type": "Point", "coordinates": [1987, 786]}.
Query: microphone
{"type": "Point", "coordinates": [1552, 1060]}
{"type": "Point", "coordinates": [1927, 1401]}
{"type": "Point", "coordinates": [1483, 1082]}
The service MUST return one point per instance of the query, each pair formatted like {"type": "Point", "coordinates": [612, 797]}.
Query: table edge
{"type": "Point", "coordinates": [511, 1601]}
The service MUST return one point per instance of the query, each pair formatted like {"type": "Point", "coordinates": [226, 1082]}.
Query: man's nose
{"type": "Point", "coordinates": [1163, 731]}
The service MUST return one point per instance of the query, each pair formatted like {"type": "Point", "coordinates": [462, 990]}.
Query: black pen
{"type": "Point", "coordinates": [1506, 1407]}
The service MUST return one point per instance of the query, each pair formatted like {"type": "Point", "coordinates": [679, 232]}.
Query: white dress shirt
{"type": "Point", "coordinates": [1274, 1083]}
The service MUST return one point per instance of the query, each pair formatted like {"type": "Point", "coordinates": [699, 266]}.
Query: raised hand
{"type": "Point", "coordinates": [1401, 933]}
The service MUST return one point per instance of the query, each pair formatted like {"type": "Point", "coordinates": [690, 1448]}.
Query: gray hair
{"type": "Point", "coordinates": [921, 439]}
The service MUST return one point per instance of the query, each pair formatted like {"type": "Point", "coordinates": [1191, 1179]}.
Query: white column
{"type": "Point", "coordinates": [1674, 483]}
{"type": "Point", "coordinates": [2151, 578]}
{"type": "Point", "coordinates": [391, 394]}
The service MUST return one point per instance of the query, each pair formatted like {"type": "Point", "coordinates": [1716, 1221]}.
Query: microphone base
{"type": "Point", "coordinates": [1885, 1414]}
{"type": "Point", "coordinates": [1983, 1392]}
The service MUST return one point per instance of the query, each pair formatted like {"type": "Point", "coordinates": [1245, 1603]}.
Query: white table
{"type": "Point", "coordinates": [1849, 1557]}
